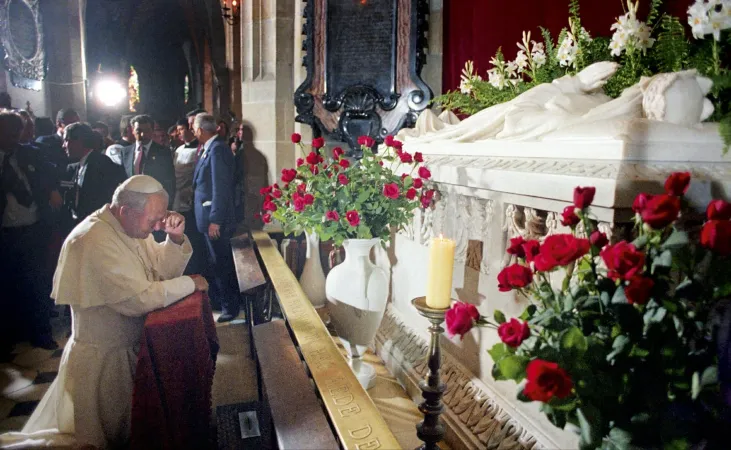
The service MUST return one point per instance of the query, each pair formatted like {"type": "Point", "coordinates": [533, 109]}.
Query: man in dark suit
{"type": "Point", "coordinates": [146, 157]}
{"type": "Point", "coordinates": [92, 178]}
{"type": "Point", "coordinates": [52, 145]}
{"type": "Point", "coordinates": [213, 203]}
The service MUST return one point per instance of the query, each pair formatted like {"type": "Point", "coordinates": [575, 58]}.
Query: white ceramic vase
{"type": "Point", "coordinates": [357, 291]}
{"type": "Point", "coordinates": [312, 278]}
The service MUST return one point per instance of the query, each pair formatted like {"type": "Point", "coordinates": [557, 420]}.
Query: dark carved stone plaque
{"type": "Point", "coordinates": [363, 60]}
{"type": "Point", "coordinates": [360, 54]}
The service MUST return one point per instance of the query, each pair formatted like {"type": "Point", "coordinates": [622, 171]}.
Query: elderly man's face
{"type": "Point", "coordinates": [139, 224]}
{"type": "Point", "coordinates": [143, 132]}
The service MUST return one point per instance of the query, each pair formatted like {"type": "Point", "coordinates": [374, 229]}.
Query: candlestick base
{"type": "Point", "coordinates": [431, 429]}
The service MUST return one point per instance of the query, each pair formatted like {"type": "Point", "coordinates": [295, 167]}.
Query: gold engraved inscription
{"type": "Point", "coordinates": [356, 419]}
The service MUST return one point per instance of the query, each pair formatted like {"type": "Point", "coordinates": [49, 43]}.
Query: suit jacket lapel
{"type": "Point", "coordinates": [129, 159]}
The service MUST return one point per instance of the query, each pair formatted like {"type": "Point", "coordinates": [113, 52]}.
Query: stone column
{"type": "Point", "coordinates": [65, 34]}
{"type": "Point", "coordinates": [432, 72]}
{"type": "Point", "coordinates": [267, 89]}
{"type": "Point", "coordinates": [233, 64]}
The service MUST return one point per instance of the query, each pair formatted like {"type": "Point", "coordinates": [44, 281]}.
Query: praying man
{"type": "Point", "coordinates": [112, 273]}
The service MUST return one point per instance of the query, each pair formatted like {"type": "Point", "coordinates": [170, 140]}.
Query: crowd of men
{"type": "Point", "coordinates": [50, 183]}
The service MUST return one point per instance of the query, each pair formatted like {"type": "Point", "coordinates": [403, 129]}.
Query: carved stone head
{"type": "Point", "coordinates": [678, 98]}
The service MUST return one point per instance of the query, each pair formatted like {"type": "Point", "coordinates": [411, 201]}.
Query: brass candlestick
{"type": "Point", "coordinates": [431, 429]}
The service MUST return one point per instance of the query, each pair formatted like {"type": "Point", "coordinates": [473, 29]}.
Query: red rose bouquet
{"type": "Point", "coordinates": [340, 199]}
{"type": "Point", "coordinates": [632, 349]}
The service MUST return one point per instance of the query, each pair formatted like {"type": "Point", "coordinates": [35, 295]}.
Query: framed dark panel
{"type": "Point", "coordinates": [363, 61]}
{"type": "Point", "coordinates": [21, 35]}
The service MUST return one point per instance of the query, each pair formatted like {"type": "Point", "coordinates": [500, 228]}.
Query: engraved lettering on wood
{"type": "Point", "coordinates": [361, 433]}
{"type": "Point", "coordinates": [360, 45]}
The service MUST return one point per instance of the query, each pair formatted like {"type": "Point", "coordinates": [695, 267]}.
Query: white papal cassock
{"type": "Point", "coordinates": [111, 281]}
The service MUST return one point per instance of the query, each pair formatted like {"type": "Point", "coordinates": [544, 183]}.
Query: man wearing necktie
{"type": "Point", "coordinates": [146, 157]}
{"type": "Point", "coordinates": [94, 175]}
{"type": "Point", "coordinates": [24, 307]}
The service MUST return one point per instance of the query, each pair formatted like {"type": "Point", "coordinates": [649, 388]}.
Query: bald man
{"type": "Point", "coordinates": [112, 273]}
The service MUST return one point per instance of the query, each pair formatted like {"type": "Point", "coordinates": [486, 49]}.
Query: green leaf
{"type": "Point", "coordinates": [590, 426]}
{"type": "Point", "coordinates": [695, 385]}
{"type": "Point", "coordinates": [675, 240]}
{"type": "Point", "coordinates": [619, 297]}
{"type": "Point", "coordinates": [619, 346]}
{"type": "Point", "coordinates": [665, 259]}
{"type": "Point", "coordinates": [574, 340]}
{"type": "Point", "coordinates": [529, 312]}
{"type": "Point", "coordinates": [513, 367]}
{"type": "Point", "coordinates": [640, 242]}
{"type": "Point", "coordinates": [710, 376]}
{"type": "Point", "coordinates": [498, 352]}
{"type": "Point", "coordinates": [618, 439]}
{"type": "Point", "coordinates": [564, 404]}
{"type": "Point", "coordinates": [499, 316]}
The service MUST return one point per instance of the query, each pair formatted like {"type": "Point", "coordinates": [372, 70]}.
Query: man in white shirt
{"type": "Point", "coordinates": [112, 273]}
{"type": "Point", "coordinates": [184, 161]}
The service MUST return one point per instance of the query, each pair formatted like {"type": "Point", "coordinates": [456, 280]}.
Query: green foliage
{"type": "Point", "coordinates": [654, 13]}
{"type": "Point", "coordinates": [672, 48]}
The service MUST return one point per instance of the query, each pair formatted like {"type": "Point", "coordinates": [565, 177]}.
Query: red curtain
{"type": "Point", "coordinates": [475, 29]}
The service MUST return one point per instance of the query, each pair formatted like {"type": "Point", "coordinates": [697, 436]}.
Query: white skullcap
{"type": "Point", "coordinates": [142, 184]}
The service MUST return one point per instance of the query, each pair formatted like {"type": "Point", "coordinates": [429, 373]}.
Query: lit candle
{"type": "Point", "coordinates": [441, 266]}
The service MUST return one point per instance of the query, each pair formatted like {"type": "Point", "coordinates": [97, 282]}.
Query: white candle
{"type": "Point", "coordinates": [441, 266]}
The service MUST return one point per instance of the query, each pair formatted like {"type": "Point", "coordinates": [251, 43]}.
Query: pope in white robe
{"type": "Point", "coordinates": [112, 273]}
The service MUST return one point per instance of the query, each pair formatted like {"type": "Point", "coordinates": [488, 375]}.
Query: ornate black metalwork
{"type": "Point", "coordinates": [362, 105]}
{"type": "Point", "coordinates": [25, 60]}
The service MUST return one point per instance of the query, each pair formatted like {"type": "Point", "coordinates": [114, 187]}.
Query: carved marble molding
{"type": "Point", "coordinates": [471, 414]}
{"type": "Point", "coordinates": [27, 57]}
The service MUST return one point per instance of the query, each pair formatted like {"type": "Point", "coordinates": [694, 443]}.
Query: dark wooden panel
{"type": "Point", "coordinates": [299, 419]}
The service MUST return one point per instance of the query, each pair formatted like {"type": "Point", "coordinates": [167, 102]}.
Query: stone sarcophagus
{"type": "Point", "coordinates": [489, 192]}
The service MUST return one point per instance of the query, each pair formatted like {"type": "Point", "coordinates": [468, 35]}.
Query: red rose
{"type": "Point", "coordinates": [418, 183]}
{"type": "Point", "coordinates": [424, 173]}
{"type": "Point", "coordinates": [388, 141]}
{"type": "Point", "coordinates": [344, 163]}
{"type": "Point", "coordinates": [353, 218]}
{"type": "Point", "coordinates": [288, 175]}
{"type": "Point", "coordinates": [257, 215]}
{"type": "Point", "coordinates": [267, 198]}
{"type": "Point", "coordinates": [406, 157]}
{"type": "Point", "coordinates": [623, 260]}
{"type": "Point", "coordinates": [660, 211]}
{"type": "Point", "coordinates": [638, 290]}
{"type": "Point", "coordinates": [512, 277]}
{"type": "Point", "coordinates": [560, 250]}
{"type": "Point", "coordinates": [301, 187]}
{"type": "Point", "coordinates": [332, 215]}
{"type": "Point", "coordinates": [318, 142]}
{"type": "Point", "coordinates": [513, 332]}
{"type": "Point", "coordinates": [569, 217]}
{"type": "Point", "coordinates": [461, 318]}
{"type": "Point", "coordinates": [531, 249]}
{"type": "Point", "coordinates": [583, 196]}
{"type": "Point", "coordinates": [677, 183]}
{"type": "Point", "coordinates": [296, 138]}
{"type": "Point", "coordinates": [718, 210]}
{"type": "Point", "coordinates": [299, 204]}
{"type": "Point", "coordinates": [300, 161]}
{"type": "Point", "coordinates": [641, 202]}
{"type": "Point", "coordinates": [598, 239]}
{"type": "Point", "coordinates": [342, 179]}
{"type": "Point", "coordinates": [314, 169]}
{"type": "Point", "coordinates": [338, 152]}
{"type": "Point", "coordinates": [269, 206]}
{"type": "Point", "coordinates": [265, 190]}
{"type": "Point", "coordinates": [266, 218]}
{"type": "Point", "coordinates": [277, 194]}
{"type": "Point", "coordinates": [426, 198]}
{"type": "Point", "coordinates": [397, 145]}
{"type": "Point", "coordinates": [312, 158]}
{"type": "Point", "coordinates": [516, 247]}
{"type": "Point", "coordinates": [275, 186]}
{"type": "Point", "coordinates": [391, 190]}
{"type": "Point", "coordinates": [366, 141]}
{"type": "Point", "coordinates": [309, 199]}
{"type": "Point", "coordinates": [716, 236]}
{"type": "Point", "coordinates": [546, 380]}
{"type": "Point", "coordinates": [380, 163]}
{"type": "Point", "coordinates": [418, 157]}
{"type": "Point", "coordinates": [411, 194]}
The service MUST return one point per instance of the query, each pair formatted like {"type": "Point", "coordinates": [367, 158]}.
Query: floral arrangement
{"type": "Point", "coordinates": [643, 48]}
{"type": "Point", "coordinates": [627, 349]}
{"type": "Point", "coordinates": [336, 198]}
